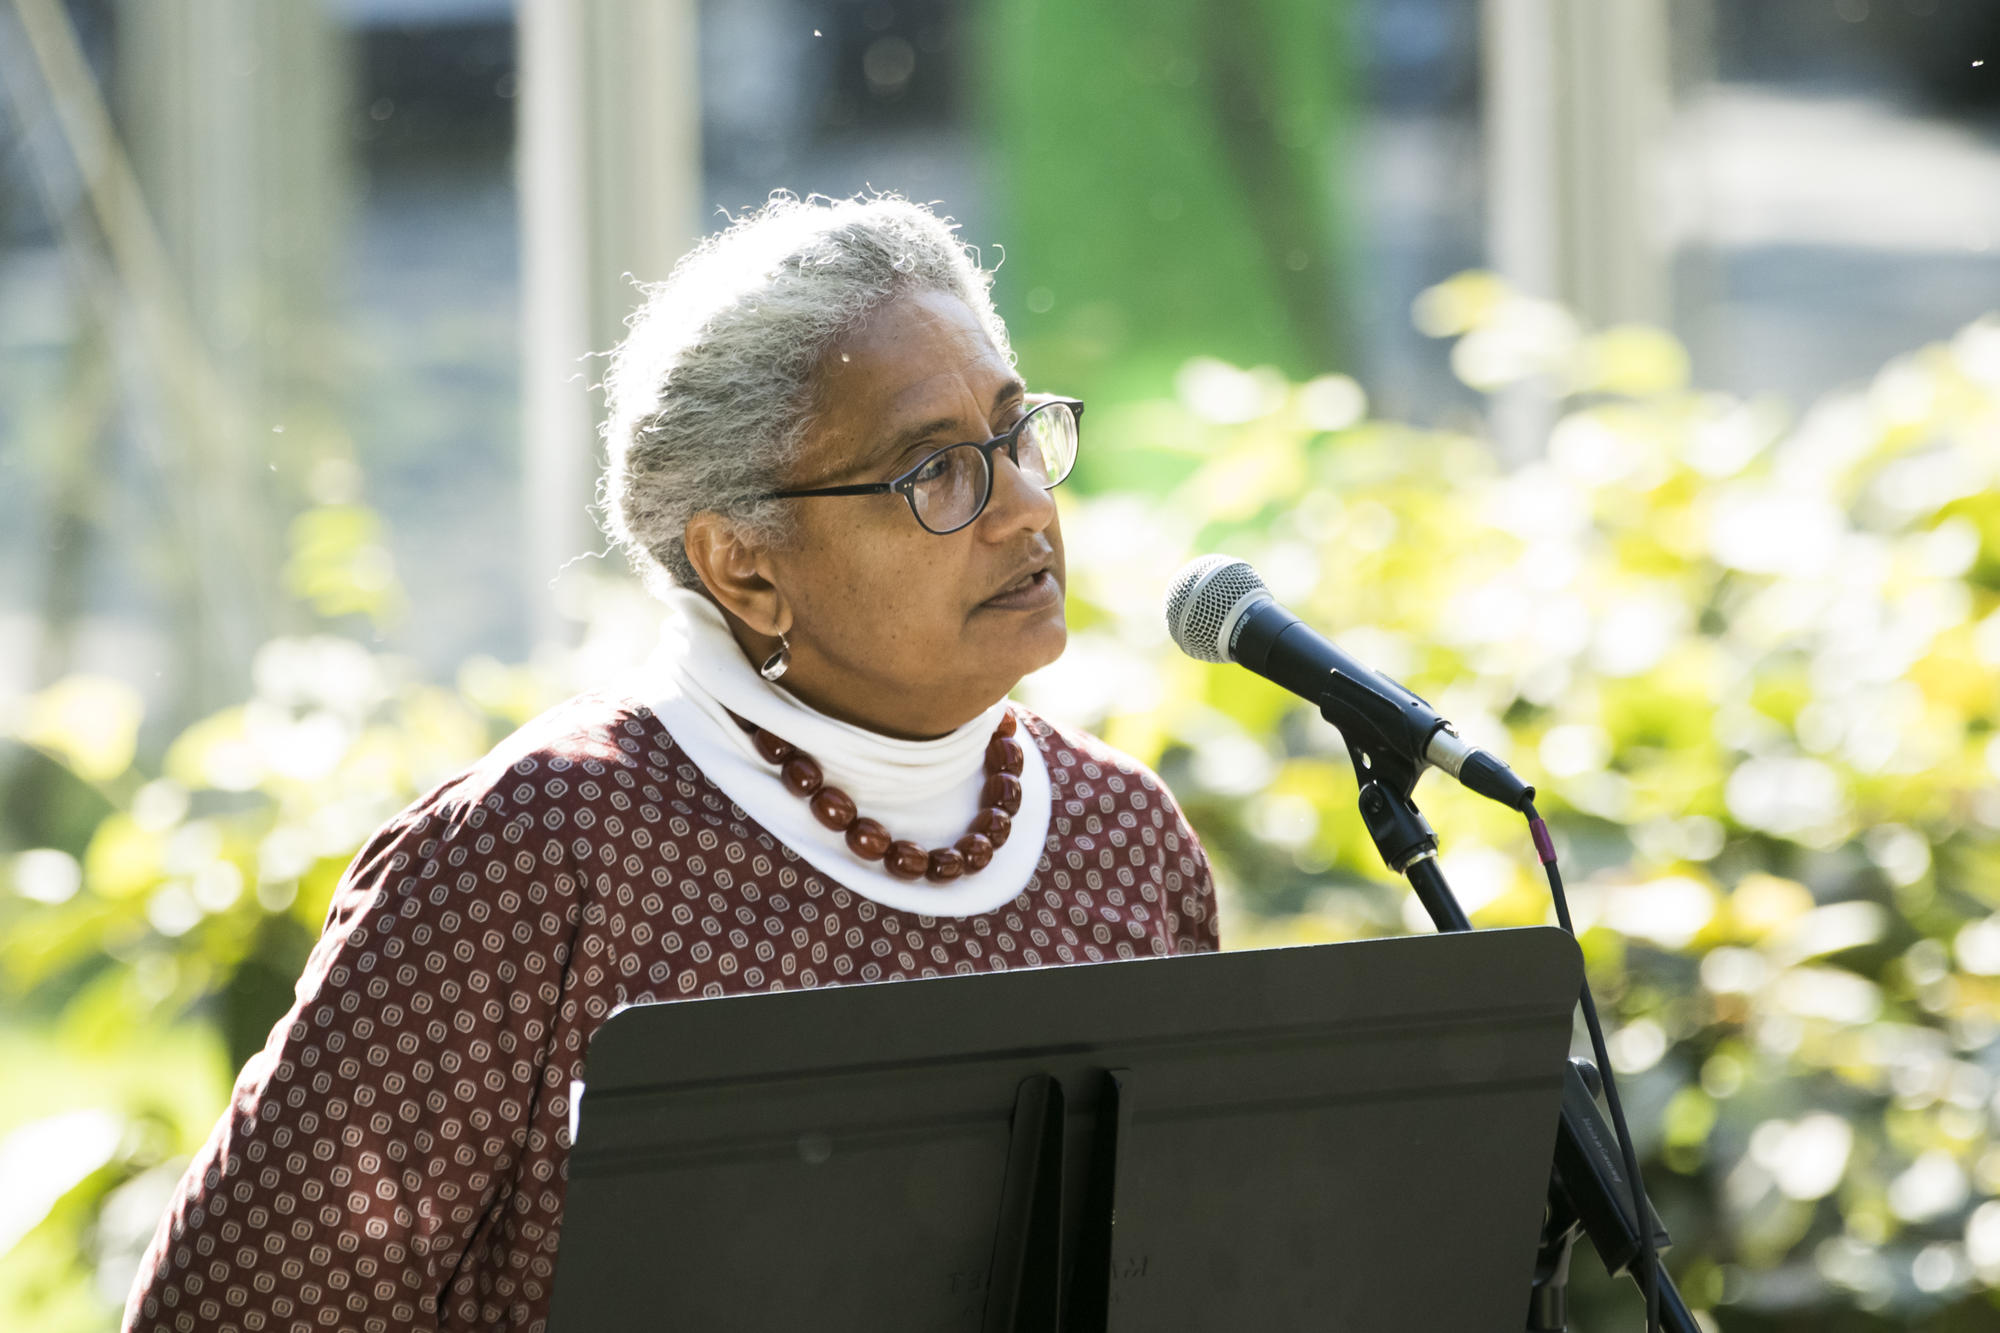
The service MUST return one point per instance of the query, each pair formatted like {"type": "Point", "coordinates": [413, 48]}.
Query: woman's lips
{"type": "Point", "coordinates": [1038, 591]}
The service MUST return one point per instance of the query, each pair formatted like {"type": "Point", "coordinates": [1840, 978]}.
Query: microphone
{"type": "Point", "coordinates": [1218, 610]}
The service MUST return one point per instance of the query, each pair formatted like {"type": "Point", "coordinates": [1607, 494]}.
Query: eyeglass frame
{"type": "Point", "coordinates": [904, 483]}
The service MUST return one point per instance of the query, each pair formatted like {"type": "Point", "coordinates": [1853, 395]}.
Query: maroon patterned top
{"type": "Point", "coordinates": [395, 1157]}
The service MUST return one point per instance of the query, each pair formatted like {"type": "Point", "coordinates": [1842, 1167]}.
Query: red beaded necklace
{"type": "Point", "coordinates": [867, 839]}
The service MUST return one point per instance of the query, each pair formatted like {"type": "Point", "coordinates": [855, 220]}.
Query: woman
{"type": "Point", "coordinates": [822, 459]}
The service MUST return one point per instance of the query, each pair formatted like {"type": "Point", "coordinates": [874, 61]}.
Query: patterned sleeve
{"type": "Point", "coordinates": [365, 1159]}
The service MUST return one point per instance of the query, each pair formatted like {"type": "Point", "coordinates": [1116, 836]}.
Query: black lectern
{"type": "Point", "coordinates": [1345, 1136]}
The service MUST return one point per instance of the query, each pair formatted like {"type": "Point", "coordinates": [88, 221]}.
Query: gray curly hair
{"type": "Point", "coordinates": [712, 391]}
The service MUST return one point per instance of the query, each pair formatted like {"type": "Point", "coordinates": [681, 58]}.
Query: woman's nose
{"type": "Point", "coordinates": [1018, 501]}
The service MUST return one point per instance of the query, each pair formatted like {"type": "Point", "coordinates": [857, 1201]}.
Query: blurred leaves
{"type": "Point", "coordinates": [145, 959]}
{"type": "Point", "coordinates": [1750, 659]}
{"type": "Point", "coordinates": [89, 723]}
{"type": "Point", "coordinates": [340, 565]}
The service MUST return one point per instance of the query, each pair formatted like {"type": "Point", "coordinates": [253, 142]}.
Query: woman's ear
{"type": "Point", "coordinates": [737, 574]}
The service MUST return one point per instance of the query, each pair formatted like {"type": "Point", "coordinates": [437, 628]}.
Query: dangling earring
{"type": "Point", "coordinates": [779, 662]}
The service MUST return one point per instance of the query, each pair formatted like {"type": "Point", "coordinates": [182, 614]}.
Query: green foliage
{"type": "Point", "coordinates": [145, 951]}
{"type": "Point", "coordinates": [1174, 138]}
{"type": "Point", "coordinates": [1751, 663]}
{"type": "Point", "coordinates": [340, 563]}
{"type": "Point", "coordinates": [1749, 660]}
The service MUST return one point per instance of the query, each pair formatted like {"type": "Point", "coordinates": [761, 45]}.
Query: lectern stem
{"type": "Point", "coordinates": [1024, 1281]}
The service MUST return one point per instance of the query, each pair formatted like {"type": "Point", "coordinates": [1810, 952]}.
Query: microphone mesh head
{"type": "Point", "coordinates": [1200, 599]}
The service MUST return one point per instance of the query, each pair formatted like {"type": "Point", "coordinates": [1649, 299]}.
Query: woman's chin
{"type": "Point", "coordinates": [1037, 645]}
{"type": "Point", "coordinates": [1002, 649]}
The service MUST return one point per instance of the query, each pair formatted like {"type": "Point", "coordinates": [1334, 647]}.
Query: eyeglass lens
{"type": "Point", "coordinates": [952, 489]}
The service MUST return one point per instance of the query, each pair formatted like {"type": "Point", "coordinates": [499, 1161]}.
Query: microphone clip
{"type": "Point", "coordinates": [1387, 779]}
{"type": "Point", "coordinates": [1399, 829]}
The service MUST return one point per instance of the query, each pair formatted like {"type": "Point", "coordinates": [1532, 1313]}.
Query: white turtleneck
{"type": "Point", "coordinates": [925, 791]}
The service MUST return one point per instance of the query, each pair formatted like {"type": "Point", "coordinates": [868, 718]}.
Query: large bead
{"type": "Point", "coordinates": [995, 823]}
{"type": "Point", "coordinates": [906, 860]}
{"type": "Point", "coordinates": [945, 865]}
{"type": "Point", "coordinates": [833, 807]}
{"type": "Point", "coordinates": [1003, 790]}
{"type": "Point", "coordinates": [1006, 727]}
{"type": "Point", "coordinates": [802, 774]}
{"type": "Point", "coordinates": [867, 839]}
{"type": "Point", "coordinates": [977, 849]}
{"type": "Point", "coordinates": [1003, 755]}
{"type": "Point", "coordinates": [775, 751]}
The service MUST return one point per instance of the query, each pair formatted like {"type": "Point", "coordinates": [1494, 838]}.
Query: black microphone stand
{"type": "Point", "coordinates": [1588, 1192]}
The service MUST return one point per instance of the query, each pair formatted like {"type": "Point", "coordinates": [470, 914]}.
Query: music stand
{"type": "Point", "coordinates": [1341, 1136]}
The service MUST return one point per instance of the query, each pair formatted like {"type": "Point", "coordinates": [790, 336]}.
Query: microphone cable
{"type": "Point", "coordinates": [1649, 1283]}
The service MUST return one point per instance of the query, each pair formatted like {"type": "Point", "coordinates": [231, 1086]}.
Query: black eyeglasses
{"type": "Point", "coordinates": [950, 488]}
